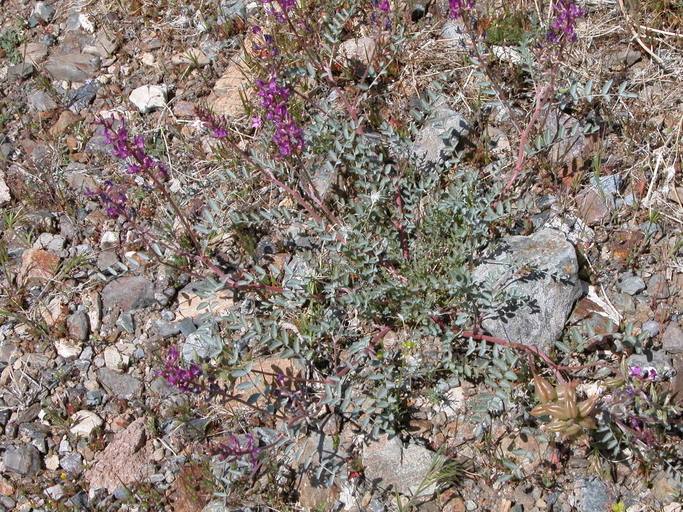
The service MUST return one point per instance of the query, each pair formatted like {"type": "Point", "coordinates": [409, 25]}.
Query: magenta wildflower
{"type": "Point", "coordinates": [133, 151]}
{"type": "Point", "coordinates": [217, 124]}
{"type": "Point", "coordinates": [457, 7]}
{"type": "Point", "coordinates": [285, 6]}
{"type": "Point", "coordinates": [647, 374]}
{"type": "Point", "coordinates": [288, 136]}
{"type": "Point", "coordinates": [563, 26]}
{"type": "Point", "coordinates": [113, 198]}
{"type": "Point", "coordinates": [244, 447]}
{"type": "Point", "coordinates": [183, 379]}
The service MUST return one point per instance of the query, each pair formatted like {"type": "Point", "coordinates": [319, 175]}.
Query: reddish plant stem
{"type": "Point", "coordinates": [540, 101]}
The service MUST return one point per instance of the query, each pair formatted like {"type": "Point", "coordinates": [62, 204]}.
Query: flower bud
{"type": "Point", "coordinates": [544, 390]}
{"type": "Point", "coordinates": [555, 410]}
{"type": "Point", "coordinates": [570, 404]}
{"type": "Point", "coordinates": [588, 423]}
{"type": "Point", "coordinates": [586, 406]}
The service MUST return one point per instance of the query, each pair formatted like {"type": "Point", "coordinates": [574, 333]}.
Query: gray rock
{"type": "Point", "coordinates": [41, 101]}
{"type": "Point", "coordinates": [652, 328]}
{"type": "Point", "coordinates": [391, 465]}
{"type": "Point", "coordinates": [72, 463]}
{"type": "Point", "coordinates": [609, 185]}
{"type": "Point", "coordinates": [630, 284]}
{"type": "Point", "coordinates": [592, 495]}
{"type": "Point", "coordinates": [446, 128]}
{"type": "Point", "coordinates": [200, 345]}
{"type": "Point", "coordinates": [51, 243]}
{"type": "Point", "coordinates": [122, 493]}
{"type": "Point", "coordinates": [672, 340]}
{"type": "Point", "coordinates": [543, 269]}
{"type": "Point", "coordinates": [25, 460]}
{"type": "Point", "coordinates": [126, 322]}
{"type": "Point", "coordinates": [107, 259]}
{"type": "Point", "coordinates": [56, 492]}
{"type": "Point", "coordinates": [229, 10]}
{"type": "Point", "coordinates": [35, 53]}
{"type": "Point", "coordinates": [658, 287]}
{"type": "Point", "coordinates": [187, 326]}
{"type": "Point", "coordinates": [43, 12]}
{"type": "Point", "coordinates": [104, 46]}
{"type": "Point", "coordinates": [657, 361]}
{"type": "Point", "coordinates": [454, 34]}
{"type": "Point", "coordinates": [128, 293]}
{"type": "Point", "coordinates": [94, 397]}
{"type": "Point", "coordinates": [121, 385]}
{"type": "Point", "coordinates": [83, 96]}
{"type": "Point", "coordinates": [73, 67]}
{"type": "Point", "coordinates": [167, 329]}
{"type": "Point", "coordinates": [20, 71]}
{"type": "Point", "coordinates": [78, 326]}
{"type": "Point", "coordinates": [649, 228]}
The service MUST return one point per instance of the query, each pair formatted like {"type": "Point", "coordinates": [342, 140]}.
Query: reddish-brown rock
{"type": "Point", "coordinates": [124, 461]}
{"type": "Point", "coordinates": [37, 264]}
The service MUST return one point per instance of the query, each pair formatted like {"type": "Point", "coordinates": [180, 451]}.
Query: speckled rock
{"type": "Point", "coordinates": [551, 284]}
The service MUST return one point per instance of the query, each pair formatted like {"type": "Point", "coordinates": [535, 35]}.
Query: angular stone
{"type": "Point", "coordinates": [124, 461]}
{"type": "Point", "coordinates": [67, 349]}
{"type": "Point", "coordinates": [630, 284]}
{"type": "Point", "coordinates": [149, 97]}
{"type": "Point", "coordinates": [36, 265]}
{"type": "Point", "coordinates": [658, 287]}
{"type": "Point", "coordinates": [397, 468]}
{"type": "Point", "coordinates": [543, 268]}
{"type": "Point", "coordinates": [359, 53]}
{"type": "Point", "coordinates": [20, 71]}
{"type": "Point", "coordinates": [672, 339]}
{"type": "Point", "coordinates": [43, 11]}
{"type": "Point", "coordinates": [78, 326]}
{"type": "Point", "coordinates": [594, 207]}
{"type": "Point", "coordinates": [591, 495]}
{"type": "Point", "coordinates": [225, 99]}
{"type": "Point", "coordinates": [35, 53]}
{"type": "Point", "coordinates": [25, 460]}
{"type": "Point", "coordinates": [121, 385]}
{"type": "Point", "coordinates": [445, 129]}
{"type": "Point", "coordinates": [104, 46]}
{"type": "Point", "coordinates": [41, 101]}
{"type": "Point", "coordinates": [85, 422]}
{"type": "Point", "coordinates": [72, 463]}
{"type": "Point", "coordinates": [72, 67]}
{"type": "Point", "coordinates": [128, 293]}
{"type": "Point", "coordinates": [5, 196]}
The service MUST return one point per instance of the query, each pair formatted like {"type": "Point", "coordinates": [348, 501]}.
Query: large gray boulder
{"type": "Point", "coordinates": [541, 268]}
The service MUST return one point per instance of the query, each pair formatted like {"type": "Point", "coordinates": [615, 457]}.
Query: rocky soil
{"type": "Point", "coordinates": [86, 421]}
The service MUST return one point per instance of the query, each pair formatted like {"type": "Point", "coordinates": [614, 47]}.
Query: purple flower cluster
{"type": "Point", "coordinates": [563, 26]}
{"type": "Point", "coordinates": [217, 124]}
{"type": "Point", "coordinates": [234, 450]}
{"type": "Point", "coordinates": [113, 198]}
{"type": "Point", "coordinates": [285, 6]}
{"type": "Point", "coordinates": [647, 374]}
{"type": "Point", "coordinates": [133, 151]}
{"type": "Point", "coordinates": [288, 136]}
{"type": "Point", "coordinates": [381, 18]}
{"type": "Point", "coordinates": [184, 380]}
{"type": "Point", "coordinates": [457, 7]}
